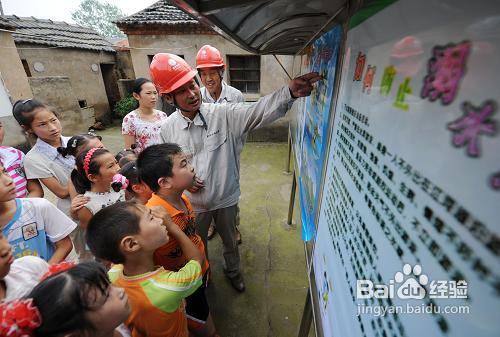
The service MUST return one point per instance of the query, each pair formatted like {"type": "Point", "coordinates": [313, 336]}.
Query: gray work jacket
{"type": "Point", "coordinates": [228, 94]}
{"type": "Point", "coordinates": [214, 142]}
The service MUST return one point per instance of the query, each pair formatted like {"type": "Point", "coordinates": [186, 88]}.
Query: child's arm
{"type": "Point", "coordinates": [190, 251]}
{"type": "Point", "coordinates": [37, 167]}
{"type": "Point", "coordinates": [58, 226]}
{"type": "Point", "coordinates": [61, 191]}
{"type": "Point", "coordinates": [128, 131]}
{"type": "Point", "coordinates": [77, 203]}
{"type": "Point", "coordinates": [71, 190]}
{"type": "Point", "coordinates": [129, 140]}
{"type": "Point", "coordinates": [63, 248]}
{"type": "Point", "coordinates": [34, 188]}
{"type": "Point", "coordinates": [84, 216]}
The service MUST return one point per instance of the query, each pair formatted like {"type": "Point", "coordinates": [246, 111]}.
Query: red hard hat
{"type": "Point", "coordinates": [169, 72]}
{"type": "Point", "coordinates": [209, 57]}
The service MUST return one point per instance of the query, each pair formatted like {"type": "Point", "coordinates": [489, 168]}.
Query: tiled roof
{"type": "Point", "coordinates": [159, 13]}
{"type": "Point", "coordinates": [57, 34]}
{"type": "Point", "coordinates": [119, 43]}
{"type": "Point", "coordinates": [5, 24]}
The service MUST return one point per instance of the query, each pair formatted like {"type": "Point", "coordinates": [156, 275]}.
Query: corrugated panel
{"type": "Point", "coordinates": [272, 26]}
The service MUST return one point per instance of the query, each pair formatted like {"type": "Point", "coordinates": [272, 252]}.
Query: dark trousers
{"type": "Point", "coordinates": [225, 222]}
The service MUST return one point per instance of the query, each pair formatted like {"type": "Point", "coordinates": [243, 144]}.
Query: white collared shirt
{"type": "Point", "coordinates": [68, 163]}
{"type": "Point", "coordinates": [215, 147]}
{"type": "Point", "coordinates": [43, 161]}
{"type": "Point", "coordinates": [228, 94]}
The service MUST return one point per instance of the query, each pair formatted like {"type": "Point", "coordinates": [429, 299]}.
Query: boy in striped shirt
{"type": "Point", "coordinates": [127, 234]}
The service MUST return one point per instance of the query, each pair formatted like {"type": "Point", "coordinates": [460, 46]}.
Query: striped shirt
{"type": "Point", "coordinates": [157, 299]}
{"type": "Point", "coordinates": [12, 161]}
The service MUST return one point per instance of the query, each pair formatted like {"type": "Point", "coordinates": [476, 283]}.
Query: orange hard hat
{"type": "Point", "coordinates": [169, 72]}
{"type": "Point", "coordinates": [209, 57]}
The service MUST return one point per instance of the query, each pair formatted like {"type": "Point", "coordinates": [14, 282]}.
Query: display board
{"type": "Point", "coordinates": [312, 126]}
{"type": "Point", "coordinates": [409, 220]}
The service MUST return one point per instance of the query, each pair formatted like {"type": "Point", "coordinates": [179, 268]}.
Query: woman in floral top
{"type": "Point", "coordinates": [141, 127]}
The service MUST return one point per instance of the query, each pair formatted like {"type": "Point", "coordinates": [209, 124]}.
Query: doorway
{"type": "Point", "coordinates": [110, 84]}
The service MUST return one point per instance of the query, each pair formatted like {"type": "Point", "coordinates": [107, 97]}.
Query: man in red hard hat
{"type": "Point", "coordinates": [212, 135]}
{"type": "Point", "coordinates": [210, 65]}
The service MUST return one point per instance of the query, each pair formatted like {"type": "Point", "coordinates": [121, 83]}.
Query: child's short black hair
{"type": "Point", "coordinates": [130, 171]}
{"type": "Point", "coordinates": [124, 155]}
{"type": "Point", "coordinates": [76, 143]}
{"type": "Point", "coordinates": [65, 298]}
{"type": "Point", "coordinates": [155, 162]}
{"type": "Point", "coordinates": [109, 226]}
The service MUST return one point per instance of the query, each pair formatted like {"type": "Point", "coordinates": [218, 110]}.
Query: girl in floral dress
{"type": "Point", "coordinates": [141, 127]}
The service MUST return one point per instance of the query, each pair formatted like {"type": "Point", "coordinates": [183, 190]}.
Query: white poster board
{"type": "Point", "coordinates": [409, 223]}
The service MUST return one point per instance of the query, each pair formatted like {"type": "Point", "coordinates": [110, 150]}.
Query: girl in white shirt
{"type": "Point", "coordinates": [95, 169]}
{"type": "Point", "coordinates": [43, 162]}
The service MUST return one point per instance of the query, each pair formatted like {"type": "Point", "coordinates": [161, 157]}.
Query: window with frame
{"type": "Point", "coordinates": [244, 72]}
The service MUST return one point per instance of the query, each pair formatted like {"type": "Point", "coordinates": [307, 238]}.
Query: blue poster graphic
{"type": "Point", "coordinates": [322, 58]}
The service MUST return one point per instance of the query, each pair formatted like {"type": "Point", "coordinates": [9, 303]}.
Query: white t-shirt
{"type": "Point", "coordinates": [35, 228]}
{"type": "Point", "coordinates": [24, 275]}
{"type": "Point", "coordinates": [101, 200]}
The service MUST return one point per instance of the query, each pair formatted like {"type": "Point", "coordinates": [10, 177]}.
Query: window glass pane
{"type": "Point", "coordinates": [239, 85]}
{"type": "Point", "coordinates": [253, 86]}
{"type": "Point", "coordinates": [252, 62]}
{"type": "Point", "coordinates": [236, 62]}
{"type": "Point", "coordinates": [244, 72]}
{"type": "Point", "coordinates": [237, 75]}
{"type": "Point", "coordinates": [253, 75]}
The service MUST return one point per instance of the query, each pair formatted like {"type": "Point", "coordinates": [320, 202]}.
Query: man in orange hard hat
{"type": "Point", "coordinates": [212, 135]}
{"type": "Point", "coordinates": [210, 65]}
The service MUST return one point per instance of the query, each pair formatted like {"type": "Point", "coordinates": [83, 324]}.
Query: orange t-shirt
{"type": "Point", "coordinates": [170, 255]}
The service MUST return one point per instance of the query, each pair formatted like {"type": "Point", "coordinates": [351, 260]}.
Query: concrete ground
{"type": "Point", "coordinates": [272, 253]}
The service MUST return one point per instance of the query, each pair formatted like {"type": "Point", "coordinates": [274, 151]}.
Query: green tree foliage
{"type": "Point", "coordinates": [124, 106]}
{"type": "Point", "coordinates": [98, 16]}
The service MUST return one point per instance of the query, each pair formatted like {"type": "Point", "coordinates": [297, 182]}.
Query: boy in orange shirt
{"type": "Point", "coordinates": [129, 233]}
{"type": "Point", "coordinates": [167, 172]}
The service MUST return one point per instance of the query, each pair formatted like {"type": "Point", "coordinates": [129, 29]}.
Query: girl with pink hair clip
{"type": "Point", "coordinates": [96, 177]}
